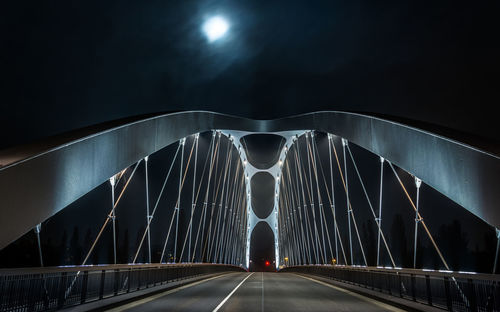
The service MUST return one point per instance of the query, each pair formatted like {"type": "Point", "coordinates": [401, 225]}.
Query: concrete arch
{"type": "Point", "coordinates": [37, 181]}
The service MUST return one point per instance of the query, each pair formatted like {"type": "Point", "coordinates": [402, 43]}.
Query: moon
{"type": "Point", "coordinates": [215, 28]}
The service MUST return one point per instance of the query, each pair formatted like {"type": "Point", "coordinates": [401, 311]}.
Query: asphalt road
{"type": "Point", "coordinates": [257, 292]}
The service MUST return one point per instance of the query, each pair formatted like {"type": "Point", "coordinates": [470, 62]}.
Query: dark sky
{"type": "Point", "coordinates": [69, 64]}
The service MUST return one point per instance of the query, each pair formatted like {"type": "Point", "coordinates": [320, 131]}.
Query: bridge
{"type": "Point", "coordinates": [236, 214]}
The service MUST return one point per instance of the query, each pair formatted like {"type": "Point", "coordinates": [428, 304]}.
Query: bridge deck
{"type": "Point", "coordinates": [258, 292]}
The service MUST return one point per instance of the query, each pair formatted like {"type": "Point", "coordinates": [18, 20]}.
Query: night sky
{"type": "Point", "coordinates": [70, 64]}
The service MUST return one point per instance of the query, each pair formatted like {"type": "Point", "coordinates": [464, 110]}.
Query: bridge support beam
{"type": "Point", "coordinates": [112, 181]}
{"type": "Point", "coordinates": [177, 206]}
{"type": "Point", "coordinates": [37, 230]}
{"type": "Point", "coordinates": [418, 182]}
{"type": "Point", "coordinates": [333, 208]}
{"type": "Point", "coordinates": [349, 209]}
{"type": "Point", "coordinates": [148, 216]}
{"type": "Point", "coordinates": [379, 218]}
{"type": "Point", "coordinates": [249, 171]}
{"type": "Point", "coordinates": [193, 204]}
{"type": "Point", "coordinates": [497, 231]}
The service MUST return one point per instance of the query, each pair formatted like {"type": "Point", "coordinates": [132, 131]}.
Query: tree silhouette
{"type": "Point", "coordinates": [124, 249]}
{"type": "Point", "coordinates": [420, 252]}
{"type": "Point", "coordinates": [454, 245]}
{"type": "Point", "coordinates": [399, 242]}
{"type": "Point", "coordinates": [63, 249]}
{"type": "Point", "coordinates": [87, 243]}
{"type": "Point", "coordinates": [50, 256]}
{"type": "Point", "coordinates": [75, 248]}
{"type": "Point", "coordinates": [142, 252]}
{"type": "Point", "coordinates": [25, 249]}
{"type": "Point", "coordinates": [370, 237]}
{"type": "Point", "coordinates": [110, 244]}
{"type": "Point", "coordinates": [484, 258]}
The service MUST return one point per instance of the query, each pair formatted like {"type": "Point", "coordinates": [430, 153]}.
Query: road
{"type": "Point", "coordinates": [257, 292]}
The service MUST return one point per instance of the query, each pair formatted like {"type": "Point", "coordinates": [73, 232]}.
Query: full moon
{"type": "Point", "coordinates": [215, 28]}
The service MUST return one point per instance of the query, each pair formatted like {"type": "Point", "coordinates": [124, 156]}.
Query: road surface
{"type": "Point", "coordinates": [257, 292]}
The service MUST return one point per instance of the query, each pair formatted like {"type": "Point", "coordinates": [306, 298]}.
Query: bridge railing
{"type": "Point", "coordinates": [42, 289]}
{"type": "Point", "coordinates": [453, 291]}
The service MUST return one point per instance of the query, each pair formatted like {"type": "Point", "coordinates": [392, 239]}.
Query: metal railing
{"type": "Point", "coordinates": [42, 289]}
{"type": "Point", "coordinates": [453, 291]}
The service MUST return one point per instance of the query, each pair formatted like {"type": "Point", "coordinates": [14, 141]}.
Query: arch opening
{"type": "Point", "coordinates": [263, 187]}
{"type": "Point", "coordinates": [262, 149]}
{"type": "Point", "coordinates": [262, 249]}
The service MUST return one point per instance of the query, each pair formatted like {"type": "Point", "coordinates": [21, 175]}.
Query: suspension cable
{"type": "Point", "coordinates": [289, 190]}
{"type": "Point", "coordinates": [177, 203]}
{"type": "Point", "coordinates": [420, 217]}
{"type": "Point", "coordinates": [313, 210]}
{"type": "Point", "coordinates": [223, 206]}
{"type": "Point", "coordinates": [312, 155]}
{"type": "Point", "coordinates": [330, 199]}
{"type": "Point", "coordinates": [300, 187]}
{"type": "Point", "coordinates": [206, 244]}
{"type": "Point", "coordinates": [110, 215]}
{"type": "Point", "coordinates": [216, 232]}
{"type": "Point", "coordinates": [349, 205]}
{"type": "Point", "coordinates": [370, 205]}
{"type": "Point", "coordinates": [194, 201]}
{"type": "Point", "coordinates": [192, 196]}
{"type": "Point", "coordinates": [156, 204]}
{"type": "Point", "coordinates": [204, 209]}
{"type": "Point", "coordinates": [302, 173]}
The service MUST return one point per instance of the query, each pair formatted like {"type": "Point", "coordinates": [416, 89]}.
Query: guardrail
{"type": "Point", "coordinates": [43, 289]}
{"type": "Point", "coordinates": [453, 291]}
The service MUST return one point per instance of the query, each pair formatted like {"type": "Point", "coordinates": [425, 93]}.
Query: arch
{"type": "Point", "coordinates": [37, 181]}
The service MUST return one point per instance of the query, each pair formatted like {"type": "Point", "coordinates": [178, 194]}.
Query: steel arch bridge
{"type": "Point", "coordinates": [37, 181]}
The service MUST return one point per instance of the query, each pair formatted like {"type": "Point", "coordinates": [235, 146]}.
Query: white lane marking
{"type": "Point", "coordinates": [378, 303]}
{"type": "Point", "coordinates": [231, 293]}
{"type": "Point", "coordinates": [168, 292]}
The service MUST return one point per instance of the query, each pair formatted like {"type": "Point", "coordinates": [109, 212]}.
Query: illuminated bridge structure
{"type": "Point", "coordinates": [304, 185]}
